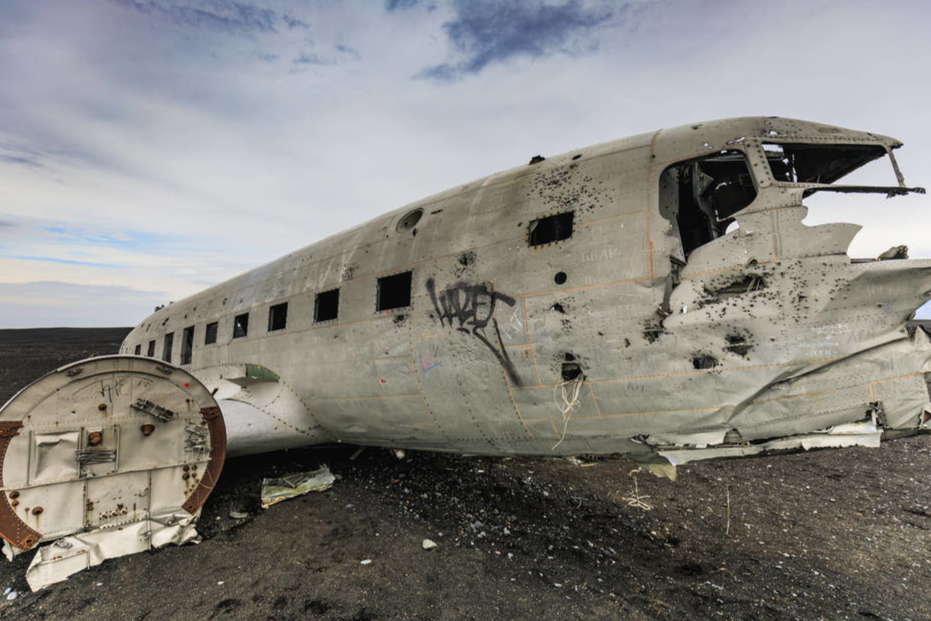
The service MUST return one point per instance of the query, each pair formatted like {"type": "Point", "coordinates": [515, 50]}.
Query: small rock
{"type": "Point", "coordinates": [238, 515]}
{"type": "Point", "coordinates": [367, 561]}
{"type": "Point", "coordinates": [12, 595]}
{"type": "Point", "coordinates": [428, 544]}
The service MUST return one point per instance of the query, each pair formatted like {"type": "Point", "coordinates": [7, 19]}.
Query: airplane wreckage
{"type": "Point", "coordinates": [657, 297]}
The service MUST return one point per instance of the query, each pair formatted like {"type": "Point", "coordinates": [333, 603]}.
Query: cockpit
{"type": "Point", "coordinates": [701, 196]}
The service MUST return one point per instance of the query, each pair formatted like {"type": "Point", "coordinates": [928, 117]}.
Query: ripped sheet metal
{"type": "Point", "coordinates": [854, 434]}
{"type": "Point", "coordinates": [293, 485]}
{"type": "Point", "coordinates": [64, 557]}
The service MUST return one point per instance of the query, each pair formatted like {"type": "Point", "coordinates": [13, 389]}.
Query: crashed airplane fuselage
{"type": "Point", "coordinates": [450, 323]}
{"type": "Point", "coordinates": [598, 302]}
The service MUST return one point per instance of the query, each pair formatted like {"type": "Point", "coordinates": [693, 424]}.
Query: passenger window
{"type": "Point", "coordinates": [394, 291]}
{"type": "Point", "coordinates": [551, 229]}
{"type": "Point", "coordinates": [138, 350]}
{"type": "Point", "coordinates": [151, 352]}
{"type": "Point", "coordinates": [210, 334]}
{"type": "Point", "coordinates": [702, 195]}
{"type": "Point", "coordinates": [187, 345]}
{"type": "Point", "coordinates": [241, 326]}
{"type": "Point", "coordinates": [326, 306]}
{"type": "Point", "coordinates": [278, 317]}
{"type": "Point", "coordinates": [166, 347]}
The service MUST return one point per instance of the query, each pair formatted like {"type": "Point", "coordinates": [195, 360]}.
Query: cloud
{"type": "Point", "coordinates": [265, 57]}
{"type": "Point", "coordinates": [310, 59]}
{"type": "Point", "coordinates": [294, 22]}
{"type": "Point", "coordinates": [19, 154]}
{"type": "Point", "coordinates": [402, 5]}
{"type": "Point", "coordinates": [62, 261]}
{"type": "Point", "coordinates": [349, 51]}
{"type": "Point", "coordinates": [223, 15]}
{"type": "Point", "coordinates": [15, 159]}
{"type": "Point", "coordinates": [488, 31]}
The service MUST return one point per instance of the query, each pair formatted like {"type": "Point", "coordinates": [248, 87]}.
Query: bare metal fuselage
{"type": "Point", "coordinates": [681, 340]}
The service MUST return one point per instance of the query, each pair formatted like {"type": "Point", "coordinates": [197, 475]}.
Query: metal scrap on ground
{"type": "Point", "coordinates": [297, 484]}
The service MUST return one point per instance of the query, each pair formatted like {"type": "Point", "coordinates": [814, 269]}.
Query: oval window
{"type": "Point", "coordinates": [410, 220]}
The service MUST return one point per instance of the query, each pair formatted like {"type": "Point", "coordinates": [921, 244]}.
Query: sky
{"type": "Point", "coordinates": [152, 148]}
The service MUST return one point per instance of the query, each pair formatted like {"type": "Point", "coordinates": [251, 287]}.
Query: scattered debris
{"type": "Point", "coordinates": [634, 499]}
{"type": "Point", "coordinates": [566, 396]}
{"type": "Point", "coordinates": [894, 254]}
{"type": "Point", "coordinates": [238, 515]}
{"type": "Point", "coordinates": [428, 544]}
{"type": "Point", "coordinates": [367, 561]}
{"type": "Point", "coordinates": [297, 484]}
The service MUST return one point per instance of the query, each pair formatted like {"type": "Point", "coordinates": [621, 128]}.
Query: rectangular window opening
{"type": "Point", "coordinates": [166, 348]}
{"type": "Point", "coordinates": [210, 335]}
{"type": "Point", "coordinates": [818, 163]}
{"type": "Point", "coordinates": [394, 291]}
{"type": "Point", "coordinates": [701, 195]}
{"type": "Point", "coordinates": [151, 352]}
{"type": "Point", "coordinates": [278, 317]}
{"type": "Point", "coordinates": [138, 350]}
{"type": "Point", "coordinates": [326, 306]}
{"type": "Point", "coordinates": [241, 326]}
{"type": "Point", "coordinates": [187, 345]}
{"type": "Point", "coordinates": [551, 229]}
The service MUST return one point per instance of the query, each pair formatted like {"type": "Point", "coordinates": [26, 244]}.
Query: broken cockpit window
{"type": "Point", "coordinates": [702, 195]}
{"type": "Point", "coordinates": [823, 164]}
{"type": "Point", "coordinates": [818, 163]}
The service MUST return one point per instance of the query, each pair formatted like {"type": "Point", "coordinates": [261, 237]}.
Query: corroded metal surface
{"type": "Point", "coordinates": [214, 419]}
{"type": "Point", "coordinates": [12, 528]}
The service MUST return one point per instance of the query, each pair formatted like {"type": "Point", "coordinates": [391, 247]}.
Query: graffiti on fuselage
{"type": "Point", "coordinates": [470, 309]}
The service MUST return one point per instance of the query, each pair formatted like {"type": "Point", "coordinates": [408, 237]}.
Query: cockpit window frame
{"type": "Point", "coordinates": [686, 247]}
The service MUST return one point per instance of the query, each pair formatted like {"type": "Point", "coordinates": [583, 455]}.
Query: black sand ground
{"type": "Point", "coordinates": [824, 535]}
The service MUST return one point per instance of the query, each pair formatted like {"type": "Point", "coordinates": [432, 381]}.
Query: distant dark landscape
{"type": "Point", "coordinates": [832, 535]}
{"type": "Point", "coordinates": [27, 355]}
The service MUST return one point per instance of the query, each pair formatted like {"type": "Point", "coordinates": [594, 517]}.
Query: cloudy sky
{"type": "Point", "coordinates": [151, 148]}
